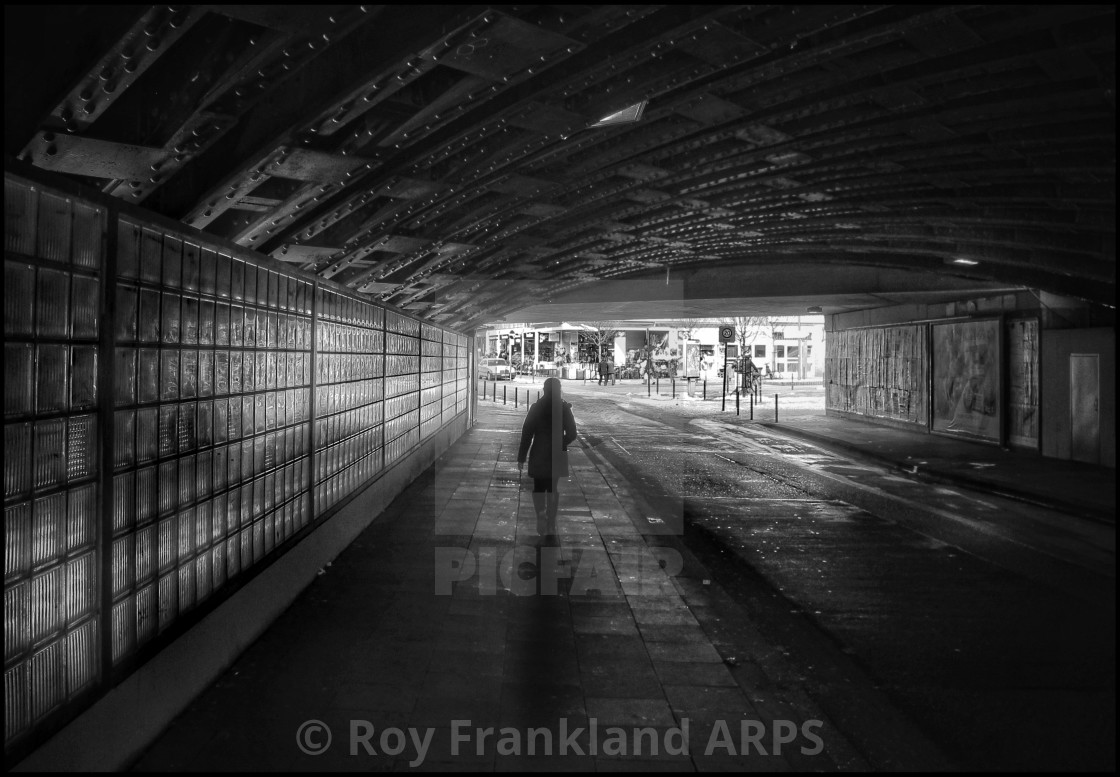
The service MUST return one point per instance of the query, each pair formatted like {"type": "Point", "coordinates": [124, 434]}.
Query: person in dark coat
{"type": "Point", "coordinates": [604, 370]}
{"type": "Point", "coordinates": [549, 428]}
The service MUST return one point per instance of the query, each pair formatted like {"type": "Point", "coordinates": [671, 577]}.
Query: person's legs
{"type": "Point", "coordinates": [540, 503]}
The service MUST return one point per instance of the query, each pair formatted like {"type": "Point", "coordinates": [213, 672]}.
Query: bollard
{"type": "Point", "coordinates": [674, 380]}
{"type": "Point", "coordinates": [658, 384]}
{"type": "Point", "coordinates": [775, 408]}
{"type": "Point", "coordinates": [503, 393]}
{"type": "Point", "coordinates": [515, 393]}
{"type": "Point", "coordinates": [538, 396]}
{"type": "Point", "coordinates": [736, 403]}
{"type": "Point", "coordinates": [648, 384]}
{"type": "Point", "coordinates": [705, 388]}
{"type": "Point", "coordinates": [752, 407]}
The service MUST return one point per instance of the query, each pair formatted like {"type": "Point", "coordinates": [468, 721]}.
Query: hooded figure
{"type": "Point", "coordinates": [549, 428]}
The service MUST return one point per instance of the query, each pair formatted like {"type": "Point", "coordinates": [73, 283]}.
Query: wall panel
{"type": "Point", "coordinates": [878, 373]}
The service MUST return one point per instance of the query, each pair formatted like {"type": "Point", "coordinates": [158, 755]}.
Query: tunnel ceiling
{"type": "Point", "coordinates": [444, 159]}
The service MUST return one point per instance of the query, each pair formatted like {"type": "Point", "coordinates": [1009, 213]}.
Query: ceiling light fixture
{"type": "Point", "coordinates": [814, 309]}
{"type": "Point", "coordinates": [627, 115]}
{"type": "Point", "coordinates": [962, 260]}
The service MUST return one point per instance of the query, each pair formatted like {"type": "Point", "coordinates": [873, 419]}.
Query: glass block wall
{"type": "Point", "coordinates": [53, 250]}
{"type": "Point", "coordinates": [176, 410]}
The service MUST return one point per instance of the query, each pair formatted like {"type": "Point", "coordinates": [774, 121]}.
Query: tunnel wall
{"type": "Point", "coordinates": [993, 369]}
{"type": "Point", "coordinates": [181, 413]}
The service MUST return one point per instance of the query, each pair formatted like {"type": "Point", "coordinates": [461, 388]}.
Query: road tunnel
{"type": "Point", "coordinates": [247, 250]}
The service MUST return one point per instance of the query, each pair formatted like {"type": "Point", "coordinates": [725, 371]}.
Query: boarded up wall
{"type": "Point", "coordinates": [878, 373]}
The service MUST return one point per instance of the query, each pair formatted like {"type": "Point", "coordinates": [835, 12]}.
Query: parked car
{"type": "Point", "coordinates": [495, 369]}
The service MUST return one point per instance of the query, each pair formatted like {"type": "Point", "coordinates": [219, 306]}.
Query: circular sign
{"type": "Point", "coordinates": [726, 334]}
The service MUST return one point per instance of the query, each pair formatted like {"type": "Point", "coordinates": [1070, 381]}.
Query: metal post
{"type": "Point", "coordinates": [705, 388]}
{"type": "Point", "coordinates": [659, 384]}
{"type": "Point", "coordinates": [752, 406]}
{"type": "Point", "coordinates": [538, 396]}
{"type": "Point", "coordinates": [503, 392]}
{"type": "Point", "coordinates": [736, 403]}
{"type": "Point", "coordinates": [515, 394]}
{"type": "Point", "coordinates": [775, 408]}
{"type": "Point", "coordinates": [648, 384]}
{"type": "Point", "coordinates": [674, 380]}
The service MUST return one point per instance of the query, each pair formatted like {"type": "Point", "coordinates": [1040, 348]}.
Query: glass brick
{"type": "Point", "coordinates": [205, 322]}
{"type": "Point", "coordinates": [124, 629]}
{"type": "Point", "coordinates": [235, 384]}
{"type": "Point", "coordinates": [191, 268]}
{"type": "Point", "coordinates": [21, 214]}
{"type": "Point", "coordinates": [168, 430]}
{"type": "Point", "coordinates": [147, 434]}
{"type": "Point", "coordinates": [87, 301]}
{"type": "Point", "coordinates": [83, 377]}
{"type": "Point", "coordinates": [126, 376]}
{"type": "Point", "coordinates": [49, 461]}
{"type": "Point", "coordinates": [224, 269]}
{"type": "Point", "coordinates": [81, 657]}
{"type": "Point", "coordinates": [207, 282]}
{"type": "Point", "coordinates": [186, 480]}
{"type": "Point", "coordinates": [17, 540]}
{"type": "Point", "coordinates": [204, 429]}
{"type": "Point", "coordinates": [19, 369]}
{"type": "Point", "coordinates": [55, 224]}
{"type": "Point", "coordinates": [81, 512]}
{"type": "Point", "coordinates": [186, 535]}
{"type": "Point", "coordinates": [47, 675]}
{"type": "Point", "coordinates": [149, 321]}
{"type": "Point", "coordinates": [147, 614]}
{"type": "Point", "coordinates": [169, 374]}
{"type": "Point", "coordinates": [205, 373]}
{"type": "Point", "coordinates": [147, 494]}
{"type": "Point", "coordinates": [51, 378]}
{"type": "Point", "coordinates": [168, 538]}
{"type": "Point", "coordinates": [81, 447]}
{"type": "Point", "coordinates": [188, 378]}
{"type": "Point", "coordinates": [19, 294]}
{"type": "Point", "coordinates": [221, 421]}
{"type": "Point", "coordinates": [187, 428]}
{"type": "Point", "coordinates": [80, 586]}
{"type": "Point", "coordinates": [46, 598]}
{"type": "Point", "coordinates": [221, 324]}
{"type": "Point", "coordinates": [146, 553]}
{"type": "Point", "coordinates": [128, 248]}
{"type": "Point", "coordinates": [89, 235]}
{"type": "Point", "coordinates": [151, 255]}
{"type": "Point", "coordinates": [203, 577]}
{"type": "Point", "coordinates": [172, 261]}
{"type": "Point", "coordinates": [168, 599]}
{"type": "Point", "coordinates": [190, 321]}
{"type": "Point", "coordinates": [171, 320]}
{"type": "Point", "coordinates": [237, 279]}
{"type": "Point", "coordinates": [124, 501]}
{"type": "Point", "coordinates": [168, 487]}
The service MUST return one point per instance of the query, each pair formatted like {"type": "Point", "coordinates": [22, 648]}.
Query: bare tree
{"type": "Point", "coordinates": [604, 334]}
{"type": "Point", "coordinates": [687, 326]}
{"type": "Point", "coordinates": [747, 329]}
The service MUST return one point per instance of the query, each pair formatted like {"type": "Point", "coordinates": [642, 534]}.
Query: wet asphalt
{"type": "Point", "coordinates": [968, 613]}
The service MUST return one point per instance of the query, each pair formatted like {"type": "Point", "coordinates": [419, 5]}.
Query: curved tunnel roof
{"type": "Point", "coordinates": [469, 162]}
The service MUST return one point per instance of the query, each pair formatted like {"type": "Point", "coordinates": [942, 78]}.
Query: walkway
{"type": "Point", "coordinates": [433, 616]}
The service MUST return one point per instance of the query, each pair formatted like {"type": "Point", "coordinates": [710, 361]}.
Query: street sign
{"type": "Point", "coordinates": [727, 334]}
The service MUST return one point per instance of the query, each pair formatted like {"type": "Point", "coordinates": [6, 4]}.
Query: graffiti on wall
{"type": "Point", "coordinates": [966, 378]}
{"type": "Point", "coordinates": [1022, 382]}
{"type": "Point", "coordinates": [879, 373]}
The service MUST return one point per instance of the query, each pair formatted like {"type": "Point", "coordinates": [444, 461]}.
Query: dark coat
{"type": "Point", "coordinates": [538, 433]}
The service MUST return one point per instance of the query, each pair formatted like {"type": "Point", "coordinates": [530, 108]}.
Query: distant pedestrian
{"type": "Point", "coordinates": [604, 370]}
